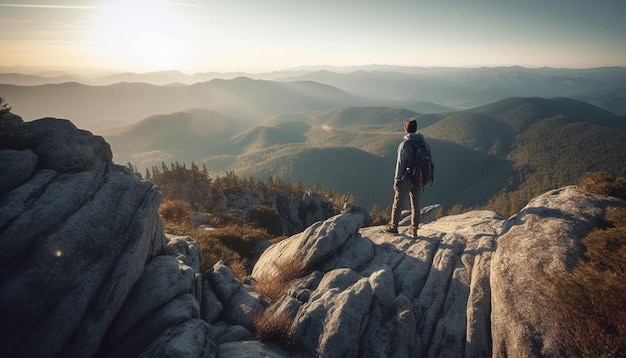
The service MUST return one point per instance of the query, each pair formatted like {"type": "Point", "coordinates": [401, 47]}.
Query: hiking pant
{"type": "Point", "coordinates": [401, 191]}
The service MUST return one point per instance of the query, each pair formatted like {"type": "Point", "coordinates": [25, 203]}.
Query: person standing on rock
{"type": "Point", "coordinates": [404, 184]}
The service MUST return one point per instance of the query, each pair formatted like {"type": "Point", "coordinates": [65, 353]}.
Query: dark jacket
{"type": "Point", "coordinates": [404, 155]}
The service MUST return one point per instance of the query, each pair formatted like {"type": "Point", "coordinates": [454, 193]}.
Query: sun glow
{"type": "Point", "coordinates": [145, 34]}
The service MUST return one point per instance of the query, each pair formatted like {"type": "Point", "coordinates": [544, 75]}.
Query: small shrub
{"type": "Point", "coordinates": [380, 217]}
{"type": "Point", "coordinates": [439, 214]}
{"type": "Point", "coordinates": [4, 108]}
{"type": "Point", "coordinates": [174, 210]}
{"type": "Point", "coordinates": [271, 325]}
{"type": "Point", "coordinates": [604, 184]}
{"type": "Point", "coordinates": [242, 239]}
{"type": "Point", "coordinates": [213, 250]}
{"type": "Point", "coordinates": [232, 244]}
{"type": "Point", "coordinates": [265, 217]}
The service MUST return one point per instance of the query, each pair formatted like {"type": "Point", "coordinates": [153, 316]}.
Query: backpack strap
{"type": "Point", "coordinates": [413, 156]}
{"type": "Point", "coordinates": [415, 148]}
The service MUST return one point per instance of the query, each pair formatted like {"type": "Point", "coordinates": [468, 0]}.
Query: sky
{"type": "Point", "coordinates": [268, 35]}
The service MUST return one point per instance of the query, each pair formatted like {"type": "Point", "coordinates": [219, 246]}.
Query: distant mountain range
{"type": "Point", "coordinates": [98, 107]}
{"type": "Point", "coordinates": [469, 87]}
{"type": "Point", "coordinates": [448, 87]}
{"type": "Point", "coordinates": [500, 136]}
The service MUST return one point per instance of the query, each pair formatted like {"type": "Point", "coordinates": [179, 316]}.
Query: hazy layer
{"type": "Point", "coordinates": [249, 35]}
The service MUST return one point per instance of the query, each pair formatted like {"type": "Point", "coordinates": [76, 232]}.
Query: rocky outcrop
{"type": "Point", "coordinates": [545, 236]}
{"type": "Point", "coordinates": [294, 213]}
{"type": "Point", "coordinates": [282, 210]}
{"type": "Point", "coordinates": [85, 266]}
{"type": "Point", "coordinates": [86, 270]}
{"type": "Point", "coordinates": [466, 287]}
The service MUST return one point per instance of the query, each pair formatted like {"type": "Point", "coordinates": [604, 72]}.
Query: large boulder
{"type": "Point", "coordinates": [84, 262]}
{"type": "Point", "coordinates": [313, 246]}
{"type": "Point", "coordinates": [545, 236]}
{"type": "Point", "coordinates": [240, 302]}
{"type": "Point", "coordinates": [332, 321]}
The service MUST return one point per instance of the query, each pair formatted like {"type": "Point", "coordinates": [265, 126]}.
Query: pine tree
{"type": "Point", "coordinates": [4, 108]}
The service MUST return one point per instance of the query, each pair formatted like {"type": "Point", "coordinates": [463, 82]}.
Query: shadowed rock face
{"type": "Point", "coordinates": [83, 256]}
{"type": "Point", "coordinates": [86, 270]}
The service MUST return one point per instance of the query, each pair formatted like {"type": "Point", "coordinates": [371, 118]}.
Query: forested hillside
{"type": "Point", "coordinates": [496, 156]}
{"type": "Point", "coordinates": [549, 143]}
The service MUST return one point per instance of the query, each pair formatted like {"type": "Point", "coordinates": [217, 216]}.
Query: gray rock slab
{"type": "Point", "coordinates": [190, 339]}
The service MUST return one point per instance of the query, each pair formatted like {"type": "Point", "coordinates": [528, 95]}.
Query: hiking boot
{"type": "Point", "coordinates": [390, 229]}
{"type": "Point", "coordinates": [413, 232]}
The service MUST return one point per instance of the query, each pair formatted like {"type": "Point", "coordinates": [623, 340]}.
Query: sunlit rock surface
{"type": "Point", "coordinates": [463, 288]}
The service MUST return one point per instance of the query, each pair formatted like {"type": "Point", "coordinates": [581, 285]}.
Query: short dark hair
{"type": "Point", "coordinates": [410, 125]}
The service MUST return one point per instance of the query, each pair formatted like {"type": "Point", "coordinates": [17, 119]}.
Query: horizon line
{"type": "Point", "coordinates": [294, 68]}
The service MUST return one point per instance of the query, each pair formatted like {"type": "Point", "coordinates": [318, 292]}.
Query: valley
{"type": "Point", "coordinates": [341, 129]}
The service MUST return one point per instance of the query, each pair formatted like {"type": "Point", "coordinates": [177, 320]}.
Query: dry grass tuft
{"type": "Point", "coordinates": [616, 216]}
{"type": "Point", "coordinates": [238, 268]}
{"type": "Point", "coordinates": [275, 326]}
{"type": "Point", "coordinates": [591, 319]}
{"type": "Point", "coordinates": [272, 287]}
{"type": "Point", "coordinates": [589, 302]}
{"type": "Point", "coordinates": [290, 269]}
